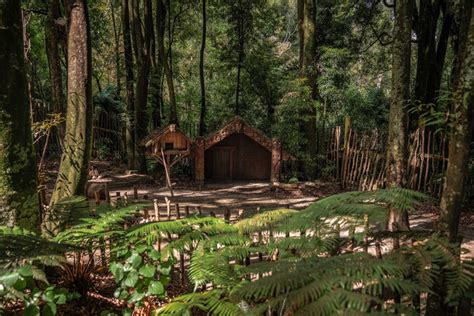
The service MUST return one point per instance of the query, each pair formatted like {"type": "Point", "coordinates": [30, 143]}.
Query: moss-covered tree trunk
{"type": "Point", "coordinates": [18, 191]}
{"type": "Point", "coordinates": [400, 96]}
{"type": "Point", "coordinates": [460, 137]}
{"type": "Point", "coordinates": [308, 61]}
{"type": "Point", "coordinates": [74, 165]}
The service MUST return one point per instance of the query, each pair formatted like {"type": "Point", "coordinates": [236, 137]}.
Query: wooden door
{"type": "Point", "coordinates": [222, 163]}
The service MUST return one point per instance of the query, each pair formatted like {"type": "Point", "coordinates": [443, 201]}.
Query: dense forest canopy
{"type": "Point", "coordinates": [358, 116]}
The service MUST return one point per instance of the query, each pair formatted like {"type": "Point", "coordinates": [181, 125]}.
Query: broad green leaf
{"type": "Point", "coordinates": [31, 310]}
{"type": "Point", "coordinates": [26, 271]}
{"type": "Point", "coordinates": [9, 279]}
{"type": "Point", "coordinates": [131, 279]}
{"type": "Point", "coordinates": [156, 288]}
{"type": "Point", "coordinates": [135, 260]}
{"type": "Point", "coordinates": [49, 309]}
{"type": "Point", "coordinates": [154, 255]}
{"type": "Point", "coordinates": [147, 270]}
{"type": "Point", "coordinates": [117, 271]}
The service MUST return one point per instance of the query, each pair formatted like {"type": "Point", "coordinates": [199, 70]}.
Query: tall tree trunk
{"type": "Point", "coordinates": [240, 56]}
{"type": "Point", "coordinates": [309, 60]}
{"type": "Point", "coordinates": [74, 165]}
{"type": "Point", "coordinates": [128, 59]}
{"type": "Point", "coordinates": [161, 13]}
{"type": "Point", "coordinates": [52, 39]}
{"type": "Point", "coordinates": [202, 116]}
{"type": "Point", "coordinates": [116, 49]}
{"type": "Point", "coordinates": [400, 95]}
{"type": "Point", "coordinates": [426, 27]}
{"type": "Point", "coordinates": [54, 60]}
{"type": "Point", "coordinates": [397, 149]}
{"type": "Point", "coordinates": [143, 61]}
{"type": "Point", "coordinates": [432, 43]}
{"type": "Point", "coordinates": [300, 12]}
{"type": "Point", "coordinates": [460, 137]}
{"type": "Point", "coordinates": [18, 191]}
{"type": "Point", "coordinates": [155, 81]}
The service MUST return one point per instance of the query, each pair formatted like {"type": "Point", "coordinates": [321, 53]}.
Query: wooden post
{"type": "Point", "coordinates": [276, 161]}
{"type": "Point", "coordinates": [178, 216]}
{"type": "Point", "coordinates": [366, 232]}
{"type": "Point", "coordinates": [135, 192]}
{"type": "Point", "coordinates": [345, 154]}
{"type": "Point", "coordinates": [168, 208]}
{"type": "Point", "coordinates": [125, 198]}
{"type": "Point", "coordinates": [199, 161]}
{"type": "Point", "coordinates": [92, 207]}
{"type": "Point", "coordinates": [167, 173]}
{"type": "Point", "coordinates": [199, 210]}
{"type": "Point", "coordinates": [157, 210]}
{"type": "Point", "coordinates": [107, 193]}
{"type": "Point", "coordinates": [227, 215]}
{"type": "Point", "coordinates": [186, 210]}
{"type": "Point", "coordinates": [97, 197]}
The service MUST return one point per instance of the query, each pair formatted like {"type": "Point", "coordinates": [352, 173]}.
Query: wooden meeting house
{"type": "Point", "coordinates": [236, 152]}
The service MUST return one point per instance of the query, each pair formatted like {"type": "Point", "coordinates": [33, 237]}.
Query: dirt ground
{"type": "Point", "coordinates": [244, 198]}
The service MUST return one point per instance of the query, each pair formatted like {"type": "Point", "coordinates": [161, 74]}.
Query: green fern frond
{"type": "Point", "coordinates": [264, 221]}
{"type": "Point", "coordinates": [212, 302]}
{"type": "Point", "coordinates": [17, 245]}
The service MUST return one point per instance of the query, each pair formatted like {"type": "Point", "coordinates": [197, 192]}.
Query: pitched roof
{"type": "Point", "coordinates": [160, 132]}
{"type": "Point", "coordinates": [239, 125]}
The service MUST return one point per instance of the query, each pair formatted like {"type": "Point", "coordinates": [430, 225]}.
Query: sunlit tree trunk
{"type": "Point", "coordinates": [74, 165]}
{"type": "Point", "coordinates": [309, 59]}
{"type": "Point", "coordinates": [18, 191]}
{"type": "Point", "coordinates": [128, 59]}
{"type": "Point", "coordinates": [202, 117]}
{"type": "Point", "coordinates": [400, 97]}
{"type": "Point", "coordinates": [460, 137]}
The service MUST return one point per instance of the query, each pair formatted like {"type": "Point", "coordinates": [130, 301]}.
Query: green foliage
{"type": "Point", "coordinates": [139, 274]}
{"type": "Point", "coordinates": [29, 285]}
{"type": "Point", "coordinates": [319, 271]}
{"type": "Point", "coordinates": [18, 245]}
{"type": "Point", "coordinates": [24, 254]}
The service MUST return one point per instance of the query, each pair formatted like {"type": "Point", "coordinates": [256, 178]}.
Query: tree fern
{"type": "Point", "coordinates": [18, 245]}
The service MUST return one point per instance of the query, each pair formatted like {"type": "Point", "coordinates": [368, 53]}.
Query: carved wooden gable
{"type": "Point", "coordinates": [237, 125]}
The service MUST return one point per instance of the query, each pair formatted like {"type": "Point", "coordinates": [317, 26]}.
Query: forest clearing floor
{"type": "Point", "coordinates": [248, 197]}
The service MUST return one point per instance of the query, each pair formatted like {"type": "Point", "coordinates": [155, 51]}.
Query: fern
{"type": "Point", "coordinates": [212, 302]}
{"type": "Point", "coordinates": [18, 245]}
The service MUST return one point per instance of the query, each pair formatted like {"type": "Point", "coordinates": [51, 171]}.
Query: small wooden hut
{"type": "Point", "coordinates": [237, 151]}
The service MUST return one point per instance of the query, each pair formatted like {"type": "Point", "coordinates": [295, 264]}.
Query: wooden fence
{"type": "Point", "coordinates": [359, 159]}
